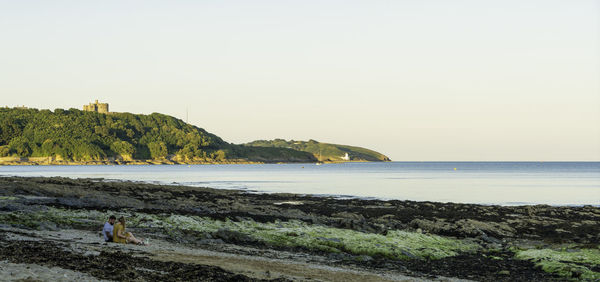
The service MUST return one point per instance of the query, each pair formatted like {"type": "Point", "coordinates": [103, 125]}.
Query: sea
{"type": "Point", "coordinates": [489, 183]}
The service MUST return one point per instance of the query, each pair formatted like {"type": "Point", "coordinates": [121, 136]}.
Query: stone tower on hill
{"type": "Point", "coordinates": [96, 107]}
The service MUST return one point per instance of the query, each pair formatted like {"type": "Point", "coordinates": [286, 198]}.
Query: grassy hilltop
{"type": "Point", "coordinates": [80, 136]}
{"type": "Point", "coordinates": [324, 151]}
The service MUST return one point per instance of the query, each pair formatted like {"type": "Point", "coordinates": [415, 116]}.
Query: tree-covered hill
{"type": "Point", "coordinates": [75, 135]}
{"type": "Point", "coordinates": [324, 151]}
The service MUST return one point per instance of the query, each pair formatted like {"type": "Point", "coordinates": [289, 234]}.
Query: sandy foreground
{"type": "Point", "coordinates": [50, 231]}
{"type": "Point", "coordinates": [32, 272]}
{"type": "Point", "coordinates": [267, 266]}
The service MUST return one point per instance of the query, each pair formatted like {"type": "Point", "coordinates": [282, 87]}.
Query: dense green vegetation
{"type": "Point", "coordinates": [324, 151]}
{"type": "Point", "coordinates": [76, 135]}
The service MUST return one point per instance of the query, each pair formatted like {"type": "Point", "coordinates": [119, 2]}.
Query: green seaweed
{"type": "Point", "coordinates": [571, 263]}
{"type": "Point", "coordinates": [56, 216]}
{"type": "Point", "coordinates": [394, 245]}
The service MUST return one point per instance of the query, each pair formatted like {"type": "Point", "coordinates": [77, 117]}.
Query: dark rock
{"type": "Point", "coordinates": [233, 236]}
{"type": "Point", "coordinates": [408, 254]}
{"type": "Point", "coordinates": [11, 206]}
{"type": "Point", "coordinates": [488, 239]}
{"type": "Point", "coordinates": [337, 240]}
{"type": "Point", "coordinates": [349, 215]}
{"type": "Point", "coordinates": [210, 242]}
{"type": "Point", "coordinates": [338, 256]}
{"type": "Point", "coordinates": [364, 258]}
{"type": "Point", "coordinates": [109, 265]}
{"type": "Point", "coordinates": [46, 225]}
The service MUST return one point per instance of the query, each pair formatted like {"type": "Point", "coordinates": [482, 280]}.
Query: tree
{"type": "Point", "coordinates": [219, 155]}
{"type": "Point", "coordinates": [48, 147]}
{"type": "Point", "coordinates": [20, 146]}
{"type": "Point", "coordinates": [101, 130]}
{"type": "Point", "coordinates": [122, 148]}
{"type": "Point", "coordinates": [4, 151]}
{"type": "Point", "coordinates": [189, 151]}
{"type": "Point", "coordinates": [158, 150]}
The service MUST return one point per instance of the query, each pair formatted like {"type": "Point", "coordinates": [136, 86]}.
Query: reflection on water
{"type": "Point", "coordinates": [506, 183]}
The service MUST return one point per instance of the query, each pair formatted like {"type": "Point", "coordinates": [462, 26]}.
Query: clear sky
{"type": "Point", "coordinates": [416, 80]}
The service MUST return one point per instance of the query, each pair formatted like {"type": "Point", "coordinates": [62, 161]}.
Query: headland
{"type": "Point", "coordinates": [96, 136]}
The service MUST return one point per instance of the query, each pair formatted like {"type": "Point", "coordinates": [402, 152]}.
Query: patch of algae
{"type": "Point", "coordinates": [568, 263]}
{"type": "Point", "coordinates": [395, 244]}
{"type": "Point", "coordinates": [57, 216]}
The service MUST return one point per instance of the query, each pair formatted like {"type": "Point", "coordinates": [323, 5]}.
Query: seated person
{"type": "Point", "coordinates": [107, 231]}
{"type": "Point", "coordinates": [120, 236]}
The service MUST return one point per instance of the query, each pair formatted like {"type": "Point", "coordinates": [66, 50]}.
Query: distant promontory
{"type": "Point", "coordinates": [32, 136]}
{"type": "Point", "coordinates": [325, 151]}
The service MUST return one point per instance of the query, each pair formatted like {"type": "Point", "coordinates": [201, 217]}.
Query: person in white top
{"type": "Point", "coordinates": [107, 231]}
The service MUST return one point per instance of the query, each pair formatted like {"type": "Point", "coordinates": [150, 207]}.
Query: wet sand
{"type": "Point", "coordinates": [227, 256]}
{"type": "Point", "coordinates": [25, 246]}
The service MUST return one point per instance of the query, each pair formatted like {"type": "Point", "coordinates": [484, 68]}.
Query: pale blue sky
{"type": "Point", "coordinates": [416, 80]}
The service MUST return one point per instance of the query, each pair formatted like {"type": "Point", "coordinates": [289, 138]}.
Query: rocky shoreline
{"type": "Point", "coordinates": [368, 240]}
{"type": "Point", "coordinates": [48, 161]}
{"type": "Point", "coordinates": [112, 161]}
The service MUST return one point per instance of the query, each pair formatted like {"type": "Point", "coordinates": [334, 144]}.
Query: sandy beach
{"type": "Point", "coordinates": [50, 231]}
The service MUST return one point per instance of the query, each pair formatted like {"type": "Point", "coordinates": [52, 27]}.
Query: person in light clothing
{"type": "Point", "coordinates": [121, 236]}
{"type": "Point", "coordinates": [107, 231]}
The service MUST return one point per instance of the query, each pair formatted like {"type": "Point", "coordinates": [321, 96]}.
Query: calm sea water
{"type": "Point", "coordinates": [505, 183]}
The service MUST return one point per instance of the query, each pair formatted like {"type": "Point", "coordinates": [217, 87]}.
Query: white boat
{"type": "Point", "coordinates": [345, 157]}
